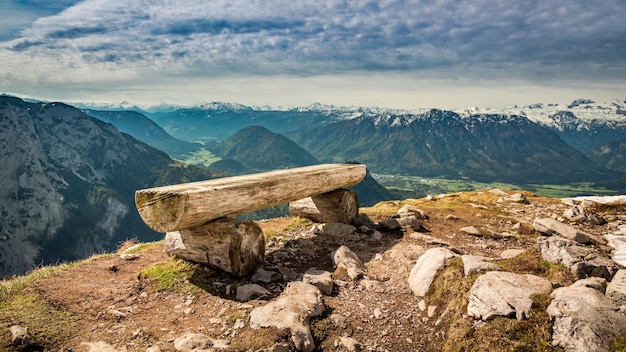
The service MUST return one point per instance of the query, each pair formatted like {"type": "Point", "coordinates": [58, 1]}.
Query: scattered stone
{"type": "Point", "coordinates": [250, 291]}
{"type": "Point", "coordinates": [334, 229]}
{"type": "Point", "coordinates": [20, 337]}
{"type": "Point", "coordinates": [395, 223]}
{"type": "Point", "coordinates": [551, 227]}
{"type": "Point", "coordinates": [421, 305]}
{"type": "Point", "coordinates": [596, 283]}
{"type": "Point", "coordinates": [616, 289]}
{"type": "Point", "coordinates": [339, 320]}
{"type": "Point", "coordinates": [267, 276]}
{"type": "Point", "coordinates": [471, 230]}
{"type": "Point", "coordinates": [347, 260]}
{"type": "Point", "coordinates": [372, 285]}
{"type": "Point", "coordinates": [473, 264]}
{"type": "Point", "coordinates": [321, 279]}
{"type": "Point", "coordinates": [584, 319]}
{"type": "Point", "coordinates": [506, 294]}
{"type": "Point", "coordinates": [431, 311]}
{"type": "Point", "coordinates": [409, 210]}
{"type": "Point", "coordinates": [291, 311]}
{"type": "Point", "coordinates": [511, 253]}
{"type": "Point", "coordinates": [378, 313]}
{"type": "Point", "coordinates": [349, 344]}
{"type": "Point", "coordinates": [276, 348]}
{"type": "Point", "coordinates": [617, 240]}
{"type": "Point", "coordinates": [129, 257]}
{"type": "Point", "coordinates": [425, 269]}
{"type": "Point", "coordinates": [102, 346]}
{"type": "Point", "coordinates": [191, 342]}
{"type": "Point", "coordinates": [514, 198]}
{"type": "Point", "coordinates": [498, 192]}
{"type": "Point", "coordinates": [451, 217]}
{"type": "Point", "coordinates": [152, 349]}
{"type": "Point", "coordinates": [428, 239]}
{"type": "Point", "coordinates": [583, 261]}
{"type": "Point", "coordinates": [239, 324]}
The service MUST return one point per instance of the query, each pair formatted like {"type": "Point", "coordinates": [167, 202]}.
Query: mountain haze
{"type": "Point", "coordinates": [144, 129]}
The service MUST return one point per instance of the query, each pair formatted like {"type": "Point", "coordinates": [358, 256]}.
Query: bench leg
{"type": "Point", "coordinates": [228, 244]}
{"type": "Point", "coordinates": [340, 205]}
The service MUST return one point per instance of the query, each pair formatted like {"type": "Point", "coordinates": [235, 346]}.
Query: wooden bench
{"type": "Point", "coordinates": [197, 216]}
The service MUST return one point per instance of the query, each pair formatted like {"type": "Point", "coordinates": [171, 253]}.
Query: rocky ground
{"type": "Point", "coordinates": [473, 271]}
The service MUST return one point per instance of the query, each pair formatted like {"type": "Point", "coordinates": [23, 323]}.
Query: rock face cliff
{"type": "Point", "coordinates": [68, 184]}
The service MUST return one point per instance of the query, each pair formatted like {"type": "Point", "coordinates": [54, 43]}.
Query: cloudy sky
{"type": "Point", "coordinates": [393, 53]}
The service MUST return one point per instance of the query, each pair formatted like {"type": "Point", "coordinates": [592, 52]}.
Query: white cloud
{"type": "Point", "coordinates": [123, 43]}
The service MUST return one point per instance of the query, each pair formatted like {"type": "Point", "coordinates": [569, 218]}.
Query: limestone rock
{"type": "Point", "coordinates": [267, 276]}
{"type": "Point", "coordinates": [596, 283]}
{"type": "Point", "coordinates": [617, 240]}
{"type": "Point", "coordinates": [514, 198]}
{"type": "Point", "coordinates": [334, 229]}
{"type": "Point", "coordinates": [511, 253]}
{"type": "Point", "coordinates": [551, 227]}
{"type": "Point", "coordinates": [372, 285]}
{"type": "Point", "coordinates": [583, 261]}
{"type": "Point", "coordinates": [425, 269]}
{"type": "Point", "coordinates": [349, 344]}
{"type": "Point", "coordinates": [473, 264]}
{"type": "Point", "coordinates": [616, 289]}
{"type": "Point", "coordinates": [397, 222]}
{"type": "Point", "coordinates": [197, 342]}
{"type": "Point", "coordinates": [506, 294]}
{"type": "Point", "coordinates": [471, 230]}
{"type": "Point", "coordinates": [344, 258]}
{"type": "Point", "coordinates": [321, 279]}
{"type": "Point", "coordinates": [291, 311]}
{"type": "Point", "coordinates": [102, 346]}
{"type": "Point", "coordinates": [584, 319]}
{"type": "Point", "coordinates": [20, 336]}
{"type": "Point", "coordinates": [409, 210]}
{"type": "Point", "coordinates": [249, 291]}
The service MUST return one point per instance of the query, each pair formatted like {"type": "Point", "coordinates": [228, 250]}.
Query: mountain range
{"type": "Point", "coordinates": [69, 182]}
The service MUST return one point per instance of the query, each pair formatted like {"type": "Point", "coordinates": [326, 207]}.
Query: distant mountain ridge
{"type": "Point", "coordinates": [141, 127]}
{"type": "Point", "coordinates": [442, 143]}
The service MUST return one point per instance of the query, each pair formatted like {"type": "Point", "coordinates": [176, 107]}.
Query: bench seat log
{"type": "Point", "coordinates": [189, 205]}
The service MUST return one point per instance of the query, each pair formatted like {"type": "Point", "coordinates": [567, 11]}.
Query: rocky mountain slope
{"type": "Point", "coordinates": [611, 155]}
{"type": "Point", "coordinates": [412, 275]}
{"type": "Point", "coordinates": [69, 182]}
{"type": "Point", "coordinates": [259, 148]}
{"type": "Point", "coordinates": [442, 143]}
{"type": "Point", "coordinates": [139, 126]}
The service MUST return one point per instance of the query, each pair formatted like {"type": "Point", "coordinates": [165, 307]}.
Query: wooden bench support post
{"type": "Point", "coordinates": [234, 246]}
{"type": "Point", "coordinates": [340, 205]}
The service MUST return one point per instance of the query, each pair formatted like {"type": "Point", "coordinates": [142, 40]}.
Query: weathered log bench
{"type": "Point", "coordinates": [197, 216]}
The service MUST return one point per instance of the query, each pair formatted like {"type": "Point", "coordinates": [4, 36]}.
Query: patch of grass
{"type": "Point", "coordinates": [133, 247]}
{"type": "Point", "coordinates": [274, 235]}
{"type": "Point", "coordinates": [620, 344]}
{"type": "Point", "coordinates": [531, 262]}
{"type": "Point", "coordinates": [201, 157]}
{"type": "Point", "coordinates": [298, 223]}
{"type": "Point", "coordinates": [172, 275]}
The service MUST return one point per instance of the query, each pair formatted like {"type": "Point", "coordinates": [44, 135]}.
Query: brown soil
{"type": "Point", "coordinates": [107, 299]}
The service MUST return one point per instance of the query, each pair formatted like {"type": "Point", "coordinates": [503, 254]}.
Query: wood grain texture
{"type": "Point", "coordinates": [341, 205]}
{"type": "Point", "coordinates": [234, 246]}
{"type": "Point", "coordinates": [189, 205]}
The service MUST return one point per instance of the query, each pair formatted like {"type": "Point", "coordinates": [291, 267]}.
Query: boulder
{"type": "Point", "coordinates": [506, 294]}
{"type": "Point", "coordinates": [267, 276]}
{"type": "Point", "coordinates": [398, 222]}
{"type": "Point", "coordinates": [345, 259]}
{"type": "Point", "coordinates": [334, 229]}
{"type": "Point", "coordinates": [511, 253]}
{"type": "Point", "coordinates": [617, 240]}
{"type": "Point", "coordinates": [585, 320]}
{"type": "Point", "coordinates": [583, 261]}
{"type": "Point", "coordinates": [321, 279]}
{"type": "Point", "coordinates": [409, 210]}
{"type": "Point", "coordinates": [514, 198]}
{"type": "Point", "coordinates": [471, 230]}
{"type": "Point", "coordinates": [473, 264]}
{"type": "Point", "coordinates": [198, 342]}
{"type": "Point", "coordinates": [616, 289]}
{"type": "Point", "coordinates": [249, 291]}
{"type": "Point", "coordinates": [291, 311]}
{"type": "Point", "coordinates": [426, 267]}
{"type": "Point", "coordinates": [551, 227]}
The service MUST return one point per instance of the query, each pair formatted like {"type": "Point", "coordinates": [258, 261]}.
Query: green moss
{"type": "Point", "coordinates": [172, 275]}
{"type": "Point", "coordinates": [298, 223]}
